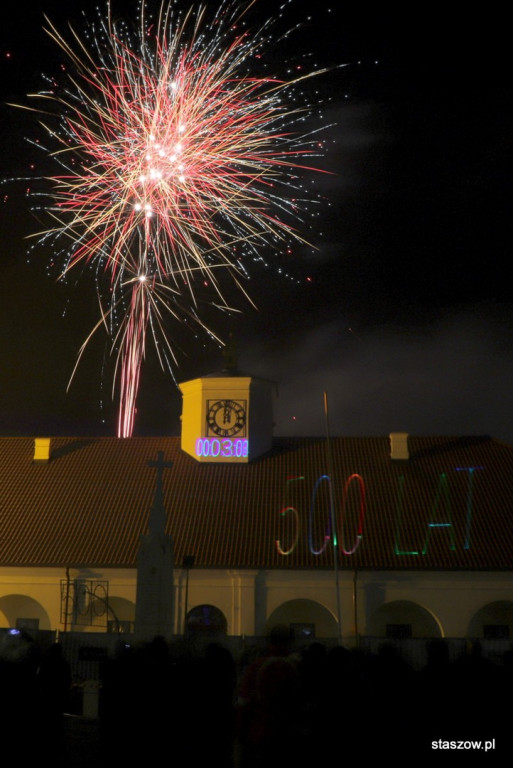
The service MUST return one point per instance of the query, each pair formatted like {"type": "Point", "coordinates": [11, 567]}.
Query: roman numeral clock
{"type": "Point", "coordinates": [226, 418]}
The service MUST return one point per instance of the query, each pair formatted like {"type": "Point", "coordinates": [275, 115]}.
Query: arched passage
{"type": "Point", "coordinates": [493, 621]}
{"type": "Point", "coordinates": [206, 620]}
{"type": "Point", "coordinates": [121, 614]}
{"type": "Point", "coordinates": [305, 618]}
{"type": "Point", "coordinates": [21, 611]}
{"type": "Point", "coordinates": [402, 619]}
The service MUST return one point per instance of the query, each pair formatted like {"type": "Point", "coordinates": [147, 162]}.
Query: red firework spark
{"type": "Point", "coordinates": [174, 158]}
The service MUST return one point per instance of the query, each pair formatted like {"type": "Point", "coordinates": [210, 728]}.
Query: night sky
{"type": "Point", "coordinates": [403, 309]}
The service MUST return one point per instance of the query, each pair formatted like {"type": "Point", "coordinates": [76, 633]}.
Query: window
{"type": "Point", "coordinates": [302, 631]}
{"type": "Point", "coordinates": [496, 632]}
{"type": "Point", "coordinates": [399, 631]}
{"type": "Point", "coordinates": [30, 625]}
{"type": "Point", "coordinates": [206, 619]}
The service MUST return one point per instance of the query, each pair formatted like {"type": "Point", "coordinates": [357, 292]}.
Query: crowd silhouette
{"type": "Point", "coordinates": [272, 706]}
{"type": "Point", "coordinates": [35, 688]}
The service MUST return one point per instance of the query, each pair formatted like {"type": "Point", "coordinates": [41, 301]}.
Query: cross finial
{"type": "Point", "coordinates": [230, 354]}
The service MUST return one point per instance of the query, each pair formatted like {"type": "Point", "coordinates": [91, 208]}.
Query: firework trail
{"type": "Point", "coordinates": [177, 165]}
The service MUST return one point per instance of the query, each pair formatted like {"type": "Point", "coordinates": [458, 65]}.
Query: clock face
{"type": "Point", "coordinates": [226, 417]}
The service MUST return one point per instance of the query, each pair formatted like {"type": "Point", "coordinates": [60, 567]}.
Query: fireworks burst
{"type": "Point", "coordinates": [177, 166]}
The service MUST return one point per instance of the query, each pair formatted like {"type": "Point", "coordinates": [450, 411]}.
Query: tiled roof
{"type": "Point", "coordinates": [451, 503]}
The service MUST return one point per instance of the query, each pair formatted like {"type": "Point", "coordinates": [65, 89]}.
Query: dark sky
{"type": "Point", "coordinates": [406, 320]}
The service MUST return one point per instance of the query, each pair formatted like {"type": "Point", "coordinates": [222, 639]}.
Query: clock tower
{"type": "Point", "coordinates": [226, 417]}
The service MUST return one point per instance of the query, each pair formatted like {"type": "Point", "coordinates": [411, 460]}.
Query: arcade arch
{"type": "Point", "coordinates": [305, 618]}
{"type": "Point", "coordinates": [403, 619]}
{"type": "Point", "coordinates": [21, 611]}
{"type": "Point", "coordinates": [493, 621]}
{"type": "Point", "coordinates": [121, 614]}
{"type": "Point", "coordinates": [206, 620]}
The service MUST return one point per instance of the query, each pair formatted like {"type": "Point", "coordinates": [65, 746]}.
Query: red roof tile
{"type": "Point", "coordinates": [449, 506]}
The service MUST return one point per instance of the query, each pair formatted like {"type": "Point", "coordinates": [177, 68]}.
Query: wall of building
{"type": "Point", "coordinates": [444, 604]}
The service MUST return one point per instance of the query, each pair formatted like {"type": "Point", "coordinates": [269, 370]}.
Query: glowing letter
{"type": "Point", "coordinates": [293, 545]}
{"type": "Point", "coordinates": [327, 535]}
{"type": "Point", "coordinates": [442, 490]}
{"type": "Point", "coordinates": [284, 512]}
{"type": "Point", "coordinates": [361, 515]}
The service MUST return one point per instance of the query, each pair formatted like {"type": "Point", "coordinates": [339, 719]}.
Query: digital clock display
{"type": "Point", "coordinates": [221, 447]}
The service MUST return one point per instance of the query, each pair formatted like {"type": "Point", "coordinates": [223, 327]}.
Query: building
{"type": "Point", "coordinates": [422, 527]}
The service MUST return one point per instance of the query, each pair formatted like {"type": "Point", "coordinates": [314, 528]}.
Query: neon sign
{"type": "Point", "coordinates": [290, 510]}
{"type": "Point", "coordinates": [440, 517]}
{"type": "Point", "coordinates": [327, 535]}
{"type": "Point", "coordinates": [222, 447]}
{"type": "Point", "coordinates": [284, 512]}
{"type": "Point", "coordinates": [470, 471]}
{"type": "Point", "coordinates": [296, 538]}
{"type": "Point", "coordinates": [361, 516]}
{"type": "Point", "coordinates": [442, 493]}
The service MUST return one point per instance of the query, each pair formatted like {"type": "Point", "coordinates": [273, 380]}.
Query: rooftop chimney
{"type": "Point", "coordinates": [42, 449]}
{"type": "Point", "coordinates": [399, 446]}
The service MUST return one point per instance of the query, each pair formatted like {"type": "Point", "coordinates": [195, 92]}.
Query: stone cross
{"type": "Point", "coordinates": [158, 516]}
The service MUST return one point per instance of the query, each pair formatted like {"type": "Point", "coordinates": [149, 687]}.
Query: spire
{"type": "Point", "coordinates": [158, 516]}
{"type": "Point", "coordinates": [154, 600]}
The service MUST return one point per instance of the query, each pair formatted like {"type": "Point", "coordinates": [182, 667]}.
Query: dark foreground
{"type": "Point", "coordinates": [272, 709]}
{"type": "Point", "coordinates": [81, 747]}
